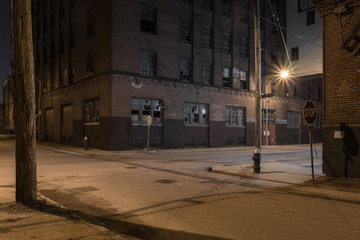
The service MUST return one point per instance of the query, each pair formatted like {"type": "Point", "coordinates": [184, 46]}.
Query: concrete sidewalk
{"type": "Point", "coordinates": [272, 171]}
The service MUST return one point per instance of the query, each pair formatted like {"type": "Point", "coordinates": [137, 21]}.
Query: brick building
{"type": "Point", "coordinates": [103, 67]}
{"type": "Point", "coordinates": [341, 121]}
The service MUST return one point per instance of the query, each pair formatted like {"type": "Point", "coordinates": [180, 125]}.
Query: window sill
{"type": "Point", "coordinates": [91, 123]}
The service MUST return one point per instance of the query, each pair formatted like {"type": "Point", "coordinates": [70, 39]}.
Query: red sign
{"type": "Point", "coordinates": [309, 112]}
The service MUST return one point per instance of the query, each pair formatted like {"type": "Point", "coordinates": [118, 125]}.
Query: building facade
{"type": "Point", "coordinates": [341, 84]}
{"type": "Point", "coordinates": [104, 67]}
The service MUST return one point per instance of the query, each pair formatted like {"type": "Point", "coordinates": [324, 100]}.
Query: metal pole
{"type": "Point", "coordinates": [258, 137]}
{"type": "Point", "coordinates": [267, 120]}
{"type": "Point", "coordinates": [148, 139]}
{"type": "Point", "coordinates": [311, 153]}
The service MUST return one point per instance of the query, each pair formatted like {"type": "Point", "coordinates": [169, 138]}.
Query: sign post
{"type": "Point", "coordinates": [148, 120]}
{"type": "Point", "coordinates": [310, 118]}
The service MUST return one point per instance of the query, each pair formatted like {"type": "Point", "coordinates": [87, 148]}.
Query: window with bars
{"type": "Point", "coordinates": [196, 114]}
{"type": "Point", "coordinates": [207, 36]}
{"type": "Point", "coordinates": [91, 111]}
{"type": "Point", "coordinates": [207, 73]}
{"type": "Point", "coordinates": [142, 108]}
{"type": "Point", "coordinates": [148, 19]}
{"type": "Point", "coordinates": [147, 62]}
{"type": "Point", "coordinates": [235, 116]}
{"type": "Point", "coordinates": [293, 120]}
{"type": "Point", "coordinates": [226, 42]}
{"type": "Point", "coordinates": [185, 35]}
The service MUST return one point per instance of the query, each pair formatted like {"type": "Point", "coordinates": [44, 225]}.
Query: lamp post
{"type": "Point", "coordinates": [283, 75]}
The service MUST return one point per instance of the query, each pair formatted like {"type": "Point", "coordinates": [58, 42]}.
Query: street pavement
{"type": "Point", "coordinates": [280, 180]}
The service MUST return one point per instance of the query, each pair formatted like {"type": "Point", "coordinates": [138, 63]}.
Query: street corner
{"type": "Point", "coordinates": [241, 170]}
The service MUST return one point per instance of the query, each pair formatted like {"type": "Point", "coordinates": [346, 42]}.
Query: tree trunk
{"type": "Point", "coordinates": [26, 179]}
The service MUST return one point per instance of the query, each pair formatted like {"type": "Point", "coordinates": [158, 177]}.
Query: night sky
{"type": "Point", "coordinates": [5, 42]}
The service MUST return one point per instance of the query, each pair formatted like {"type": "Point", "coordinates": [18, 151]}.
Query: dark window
{"type": "Point", "coordinates": [235, 116]}
{"type": "Point", "coordinates": [62, 76]}
{"type": "Point", "coordinates": [207, 36]}
{"type": "Point", "coordinates": [185, 31]}
{"type": "Point", "coordinates": [72, 36]}
{"type": "Point", "coordinates": [295, 92]}
{"type": "Point", "coordinates": [295, 54]}
{"type": "Point", "coordinates": [62, 42]}
{"type": "Point", "coordinates": [226, 42]}
{"type": "Point", "coordinates": [90, 66]}
{"type": "Point", "coordinates": [196, 114]}
{"type": "Point", "coordinates": [185, 66]}
{"type": "Point", "coordinates": [293, 120]}
{"type": "Point", "coordinates": [148, 19]}
{"type": "Point", "coordinates": [309, 90]}
{"type": "Point", "coordinates": [207, 73]}
{"type": "Point", "coordinates": [147, 62]}
{"type": "Point", "coordinates": [304, 5]}
{"type": "Point", "coordinates": [320, 93]}
{"type": "Point", "coordinates": [91, 22]}
{"type": "Point", "coordinates": [208, 5]}
{"type": "Point", "coordinates": [310, 18]}
{"type": "Point", "coordinates": [91, 111]}
{"type": "Point", "coordinates": [274, 59]}
{"type": "Point", "coordinates": [243, 46]}
{"type": "Point", "coordinates": [71, 73]}
{"type": "Point", "coordinates": [227, 8]}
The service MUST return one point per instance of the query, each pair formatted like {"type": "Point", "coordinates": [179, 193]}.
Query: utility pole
{"type": "Point", "coordinates": [258, 136]}
{"type": "Point", "coordinates": [26, 179]}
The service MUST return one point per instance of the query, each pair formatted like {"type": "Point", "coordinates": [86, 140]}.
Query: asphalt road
{"type": "Point", "coordinates": [171, 195]}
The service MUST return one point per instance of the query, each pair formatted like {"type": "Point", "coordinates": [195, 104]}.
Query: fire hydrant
{"type": "Point", "coordinates": [256, 159]}
{"type": "Point", "coordinates": [86, 142]}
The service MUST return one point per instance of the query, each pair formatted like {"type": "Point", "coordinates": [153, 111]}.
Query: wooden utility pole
{"type": "Point", "coordinates": [258, 123]}
{"type": "Point", "coordinates": [26, 179]}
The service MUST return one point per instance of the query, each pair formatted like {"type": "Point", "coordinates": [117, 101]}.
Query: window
{"type": "Point", "coordinates": [207, 36]}
{"type": "Point", "coordinates": [71, 73]}
{"type": "Point", "coordinates": [319, 93]}
{"type": "Point", "coordinates": [148, 19]}
{"type": "Point", "coordinates": [270, 115]}
{"type": "Point", "coordinates": [90, 66]}
{"type": "Point", "coordinates": [295, 54]}
{"type": "Point", "coordinates": [295, 92]}
{"type": "Point", "coordinates": [62, 76]}
{"type": "Point", "coordinates": [72, 36]}
{"type": "Point", "coordinates": [243, 46]}
{"type": "Point", "coordinates": [235, 116]}
{"type": "Point", "coordinates": [91, 22]}
{"type": "Point", "coordinates": [293, 120]}
{"type": "Point", "coordinates": [304, 5]}
{"type": "Point", "coordinates": [309, 90]}
{"type": "Point", "coordinates": [91, 111]}
{"type": "Point", "coordinates": [310, 18]}
{"type": "Point", "coordinates": [207, 74]}
{"type": "Point", "coordinates": [185, 34]}
{"type": "Point", "coordinates": [141, 109]}
{"type": "Point", "coordinates": [185, 66]}
{"type": "Point", "coordinates": [227, 8]}
{"type": "Point", "coordinates": [208, 5]}
{"type": "Point", "coordinates": [226, 42]}
{"type": "Point", "coordinates": [196, 114]}
{"type": "Point", "coordinates": [147, 62]}
{"type": "Point", "coordinates": [226, 77]}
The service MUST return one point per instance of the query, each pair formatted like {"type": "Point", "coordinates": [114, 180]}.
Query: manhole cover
{"type": "Point", "coordinates": [166, 181]}
{"type": "Point", "coordinates": [131, 167]}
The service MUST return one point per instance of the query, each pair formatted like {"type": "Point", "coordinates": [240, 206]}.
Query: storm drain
{"type": "Point", "coordinates": [166, 181]}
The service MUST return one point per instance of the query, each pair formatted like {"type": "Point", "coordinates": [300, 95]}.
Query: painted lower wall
{"type": "Point", "coordinates": [341, 155]}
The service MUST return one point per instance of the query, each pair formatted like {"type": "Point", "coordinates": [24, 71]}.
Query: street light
{"type": "Point", "coordinates": [283, 75]}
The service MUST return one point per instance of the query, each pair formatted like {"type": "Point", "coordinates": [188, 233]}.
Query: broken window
{"type": "Point", "coordinates": [235, 116]}
{"type": "Point", "coordinates": [196, 114]}
{"type": "Point", "coordinates": [141, 109]}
